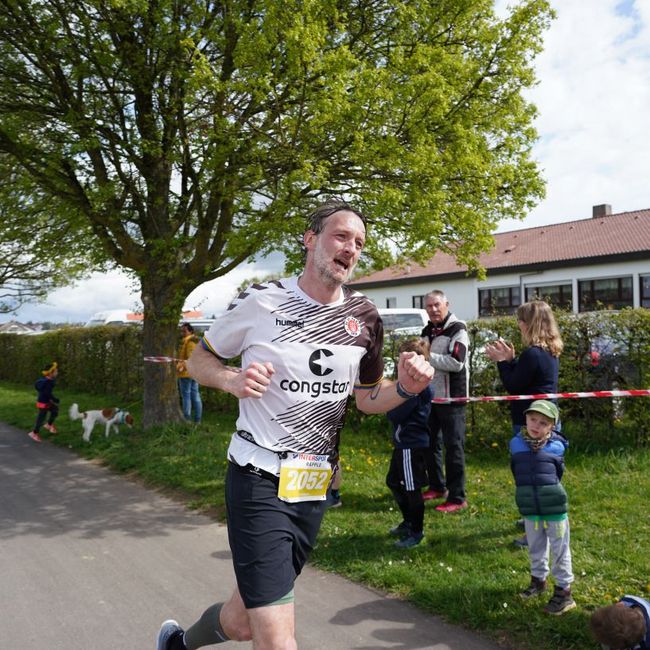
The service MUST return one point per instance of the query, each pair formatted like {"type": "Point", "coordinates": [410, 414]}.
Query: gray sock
{"type": "Point", "coordinates": [207, 630]}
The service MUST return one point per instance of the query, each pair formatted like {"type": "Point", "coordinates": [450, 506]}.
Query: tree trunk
{"type": "Point", "coordinates": [161, 336]}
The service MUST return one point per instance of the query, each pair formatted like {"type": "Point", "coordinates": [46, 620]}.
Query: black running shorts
{"type": "Point", "coordinates": [270, 539]}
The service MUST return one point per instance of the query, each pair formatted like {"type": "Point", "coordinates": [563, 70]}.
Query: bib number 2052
{"type": "Point", "coordinates": [304, 477]}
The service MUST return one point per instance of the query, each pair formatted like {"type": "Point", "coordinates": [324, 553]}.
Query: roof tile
{"type": "Point", "coordinates": [615, 234]}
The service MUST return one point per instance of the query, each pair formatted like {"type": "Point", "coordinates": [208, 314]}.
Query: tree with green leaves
{"type": "Point", "coordinates": [193, 136]}
{"type": "Point", "coordinates": [38, 253]}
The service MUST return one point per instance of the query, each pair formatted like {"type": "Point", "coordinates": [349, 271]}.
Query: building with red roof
{"type": "Point", "coordinates": [583, 265]}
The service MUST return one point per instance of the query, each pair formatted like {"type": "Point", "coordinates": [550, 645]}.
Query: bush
{"type": "Point", "coordinates": [98, 360]}
{"type": "Point", "coordinates": [95, 360]}
{"type": "Point", "coordinates": [109, 360]}
{"type": "Point", "coordinates": [623, 365]}
{"type": "Point", "coordinates": [621, 341]}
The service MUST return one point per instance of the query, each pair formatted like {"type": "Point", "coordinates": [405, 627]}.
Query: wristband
{"type": "Point", "coordinates": [402, 392]}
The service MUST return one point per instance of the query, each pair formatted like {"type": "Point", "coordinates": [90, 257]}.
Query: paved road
{"type": "Point", "coordinates": [92, 561]}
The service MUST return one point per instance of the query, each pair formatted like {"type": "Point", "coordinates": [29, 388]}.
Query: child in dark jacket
{"type": "Point", "coordinates": [46, 402]}
{"type": "Point", "coordinates": [408, 466]}
{"type": "Point", "coordinates": [537, 463]}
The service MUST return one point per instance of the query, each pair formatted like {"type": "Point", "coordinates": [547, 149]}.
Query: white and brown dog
{"type": "Point", "coordinates": [112, 418]}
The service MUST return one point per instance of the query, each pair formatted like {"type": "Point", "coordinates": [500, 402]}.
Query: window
{"type": "Point", "coordinates": [495, 302]}
{"type": "Point", "coordinates": [607, 293]}
{"type": "Point", "coordinates": [557, 295]}
{"type": "Point", "coordinates": [391, 303]}
{"type": "Point", "coordinates": [417, 302]}
{"type": "Point", "coordinates": [644, 295]}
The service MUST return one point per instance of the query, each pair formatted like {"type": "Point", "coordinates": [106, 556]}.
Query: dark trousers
{"type": "Point", "coordinates": [406, 476]}
{"type": "Point", "coordinates": [447, 432]}
{"type": "Point", "coordinates": [52, 410]}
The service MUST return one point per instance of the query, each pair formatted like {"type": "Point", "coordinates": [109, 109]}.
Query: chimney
{"type": "Point", "coordinates": [603, 210]}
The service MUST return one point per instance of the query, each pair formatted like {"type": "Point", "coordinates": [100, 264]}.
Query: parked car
{"type": "Point", "coordinates": [399, 322]}
{"type": "Point", "coordinates": [126, 317]}
{"type": "Point", "coordinates": [403, 320]}
{"type": "Point", "coordinates": [611, 365]}
{"type": "Point", "coordinates": [200, 325]}
{"type": "Point", "coordinates": [115, 317]}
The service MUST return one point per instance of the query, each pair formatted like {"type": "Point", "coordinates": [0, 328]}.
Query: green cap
{"type": "Point", "coordinates": [545, 408]}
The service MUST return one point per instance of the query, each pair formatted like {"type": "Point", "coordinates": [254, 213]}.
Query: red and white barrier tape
{"type": "Point", "coordinates": [161, 359]}
{"type": "Point", "coordinates": [512, 398]}
{"type": "Point", "coordinates": [500, 398]}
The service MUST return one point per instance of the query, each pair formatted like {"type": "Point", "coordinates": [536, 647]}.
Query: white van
{"type": "Point", "coordinates": [200, 325]}
{"type": "Point", "coordinates": [403, 320]}
{"type": "Point", "coordinates": [400, 322]}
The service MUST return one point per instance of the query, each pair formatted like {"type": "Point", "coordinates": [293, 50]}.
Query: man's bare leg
{"type": "Point", "coordinates": [234, 618]}
{"type": "Point", "coordinates": [271, 628]}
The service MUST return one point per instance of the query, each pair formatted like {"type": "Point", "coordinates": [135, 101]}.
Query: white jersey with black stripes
{"type": "Point", "coordinates": [320, 353]}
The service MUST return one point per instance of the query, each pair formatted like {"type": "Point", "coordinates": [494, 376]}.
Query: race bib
{"type": "Point", "coordinates": [304, 477]}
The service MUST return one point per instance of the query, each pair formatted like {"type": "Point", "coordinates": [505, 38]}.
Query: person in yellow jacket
{"type": "Point", "coordinates": [188, 387]}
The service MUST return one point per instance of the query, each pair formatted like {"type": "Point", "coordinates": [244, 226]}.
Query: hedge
{"type": "Point", "coordinates": [624, 341]}
{"type": "Point", "coordinates": [108, 360]}
{"type": "Point", "coordinates": [100, 360]}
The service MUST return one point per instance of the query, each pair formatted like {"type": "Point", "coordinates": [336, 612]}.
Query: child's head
{"type": "Point", "coordinates": [541, 417]}
{"type": "Point", "coordinates": [50, 370]}
{"type": "Point", "coordinates": [421, 346]}
{"type": "Point", "coordinates": [618, 626]}
{"type": "Point", "coordinates": [187, 329]}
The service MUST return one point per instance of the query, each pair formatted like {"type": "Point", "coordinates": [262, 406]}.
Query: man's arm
{"type": "Point", "coordinates": [209, 370]}
{"type": "Point", "coordinates": [414, 373]}
{"type": "Point", "coordinates": [454, 360]}
{"type": "Point", "coordinates": [446, 362]}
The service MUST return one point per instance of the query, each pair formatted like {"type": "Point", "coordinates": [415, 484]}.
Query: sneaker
{"type": "Point", "coordinates": [51, 428]}
{"type": "Point", "coordinates": [170, 636]}
{"type": "Point", "coordinates": [410, 541]}
{"type": "Point", "coordinates": [561, 601]}
{"type": "Point", "coordinates": [521, 542]}
{"type": "Point", "coordinates": [434, 494]}
{"type": "Point", "coordinates": [35, 437]}
{"type": "Point", "coordinates": [401, 530]}
{"type": "Point", "coordinates": [448, 506]}
{"type": "Point", "coordinates": [332, 501]}
{"type": "Point", "coordinates": [536, 587]}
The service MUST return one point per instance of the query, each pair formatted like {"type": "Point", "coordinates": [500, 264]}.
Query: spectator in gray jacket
{"type": "Point", "coordinates": [447, 336]}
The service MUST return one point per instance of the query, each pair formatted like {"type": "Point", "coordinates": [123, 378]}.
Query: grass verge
{"type": "Point", "coordinates": [467, 570]}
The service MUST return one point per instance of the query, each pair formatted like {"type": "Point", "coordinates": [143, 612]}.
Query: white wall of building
{"type": "Point", "coordinates": [463, 293]}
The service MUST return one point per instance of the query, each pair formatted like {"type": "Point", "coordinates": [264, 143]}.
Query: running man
{"type": "Point", "coordinates": [306, 344]}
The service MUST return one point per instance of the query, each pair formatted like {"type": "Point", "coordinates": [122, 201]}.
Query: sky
{"type": "Point", "coordinates": [593, 100]}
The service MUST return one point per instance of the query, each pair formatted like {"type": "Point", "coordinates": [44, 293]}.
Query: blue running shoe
{"type": "Point", "coordinates": [170, 636]}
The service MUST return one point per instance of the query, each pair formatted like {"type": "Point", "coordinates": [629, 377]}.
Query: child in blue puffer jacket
{"type": "Point", "coordinates": [537, 463]}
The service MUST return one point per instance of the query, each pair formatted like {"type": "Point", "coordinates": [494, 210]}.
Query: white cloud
{"type": "Point", "coordinates": [593, 100]}
{"type": "Point", "coordinates": [77, 303]}
{"type": "Point", "coordinates": [214, 296]}
{"type": "Point", "coordinates": [116, 290]}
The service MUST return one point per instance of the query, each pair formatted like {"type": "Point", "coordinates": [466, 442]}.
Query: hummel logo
{"type": "Point", "coordinates": [289, 323]}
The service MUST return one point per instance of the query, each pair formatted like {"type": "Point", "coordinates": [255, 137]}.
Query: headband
{"type": "Point", "coordinates": [51, 369]}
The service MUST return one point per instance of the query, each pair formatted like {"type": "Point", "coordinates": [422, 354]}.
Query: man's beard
{"type": "Point", "coordinates": [329, 277]}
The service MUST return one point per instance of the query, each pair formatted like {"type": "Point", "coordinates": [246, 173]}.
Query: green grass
{"type": "Point", "coordinates": [467, 570]}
